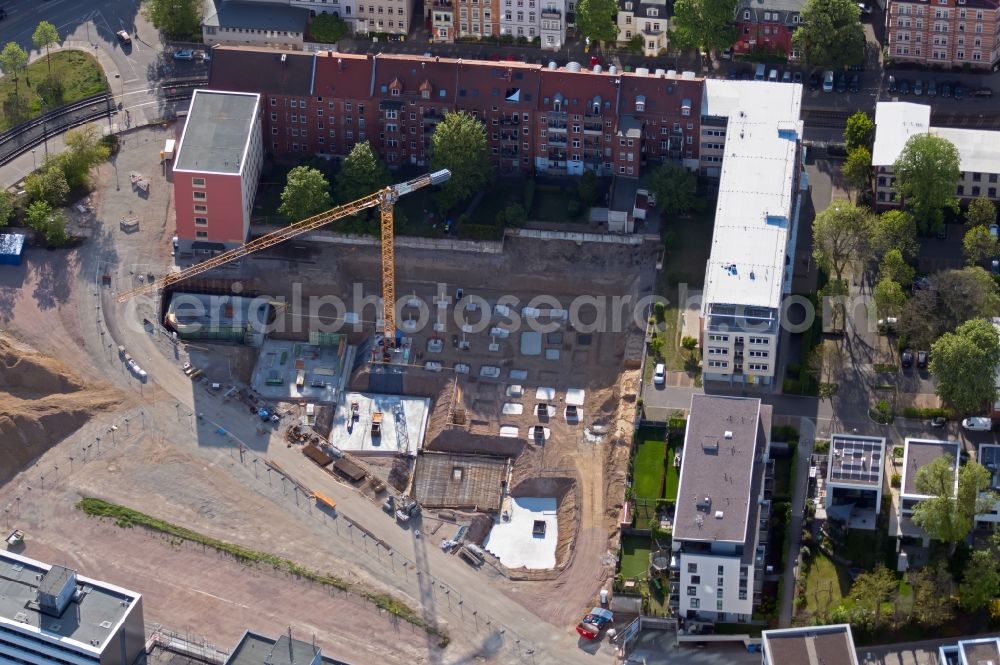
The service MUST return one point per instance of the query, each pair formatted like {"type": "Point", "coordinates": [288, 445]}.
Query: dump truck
{"type": "Point", "coordinates": [377, 424]}
{"type": "Point", "coordinates": [406, 508]}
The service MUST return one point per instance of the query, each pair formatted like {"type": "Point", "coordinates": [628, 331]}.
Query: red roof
{"type": "Point", "coordinates": [343, 75]}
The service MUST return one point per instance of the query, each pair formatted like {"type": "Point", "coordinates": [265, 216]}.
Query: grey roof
{"type": "Point", "coordinates": [980, 652]}
{"type": "Point", "coordinates": [722, 444]}
{"type": "Point", "coordinates": [255, 16]}
{"type": "Point", "coordinates": [814, 645]}
{"type": "Point", "coordinates": [918, 453]}
{"type": "Point", "coordinates": [253, 70]}
{"type": "Point", "coordinates": [12, 243]}
{"type": "Point", "coordinates": [989, 456]}
{"type": "Point", "coordinates": [856, 460]}
{"type": "Point", "coordinates": [786, 7]}
{"type": "Point", "coordinates": [629, 126]}
{"type": "Point", "coordinates": [217, 131]}
{"type": "Point", "coordinates": [254, 649]}
{"type": "Point", "coordinates": [94, 613]}
{"type": "Point", "coordinates": [55, 579]}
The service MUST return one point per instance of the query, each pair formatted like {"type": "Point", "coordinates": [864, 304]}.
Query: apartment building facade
{"type": "Point", "coordinates": [756, 225]}
{"type": "Point", "coordinates": [766, 26]}
{"type": "Point", "coordinates": [345, 9]}
{"type": "Point", "coordinates": [946, 33]}
{"type": "Point", "coordinates": [722, 516]}
{"type": "Point", "coordinates": [648, 19]}
{"type": "Point", "coordinates": [978, 151]}
{"type": "Point", "coordinates": [538, 119]}
{"type": "Point", "coordinates": [257, 24]}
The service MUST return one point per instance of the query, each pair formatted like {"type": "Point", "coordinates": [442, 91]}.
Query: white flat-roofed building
{"type": "Point", "coordinates": [50, 614]}
{"type": "Point", "coordinates": [918, 453]}
{"type": "Point", "coordinates": [975, 651]}
{"type": "Point", "coordinates": [756, 222]}
{"type": "Point", "coordinates": [721, 519]}
{"type": "Point", "coordinates": [809, 645]}
{"type": "Point", "coordinates": [989, 456]}
{"type": "Point", "coordinates": [854, 479]}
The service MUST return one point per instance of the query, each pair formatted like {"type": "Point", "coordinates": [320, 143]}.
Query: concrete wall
{"type": "Point", "coordinates": [223, 207]}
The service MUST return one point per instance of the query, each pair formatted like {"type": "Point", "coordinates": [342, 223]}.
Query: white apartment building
{"type": "Point", "coordinates": [978, 151]}
{"type": "Point", "coordinates": [647, 19]}
{"type": "Point", "coordinates": [50, 614]}
{"type": "Point", "coordinates": [721, 519]}
{"type": "Point", "coordinates": [756, 224]}
{"type": "Point", "coordinates": [521, 18]}
{"type": "Point", "coordinates": [810, 645]}
{"type": "Point", "coordinates": [390, 16]}
{"type": "Point", "coordinates": [552, 25]}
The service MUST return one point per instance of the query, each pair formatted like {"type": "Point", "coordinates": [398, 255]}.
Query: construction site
{"type": "Point", "coordinates": [497, 429]}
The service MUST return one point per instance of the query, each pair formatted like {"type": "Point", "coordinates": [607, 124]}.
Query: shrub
{"type": "Point", "coordinates": [821, 446]}
{"type": "Point", "coordinates": [689, 343]}
{"type": "Point", "coordinates": [935, 412]}
{"type": "Point", "coordinates": [897, 451]}
{"type": "Point", "coordinates": [792, 369]}
{"type": "Point", "coordinates": [327, 28]}
{"type": "Point", "coordinates": [896, 480]}
{"type": "Point", "coordinates": [677, 423]}
{"type": "Point", "coordinates": [791, 387]}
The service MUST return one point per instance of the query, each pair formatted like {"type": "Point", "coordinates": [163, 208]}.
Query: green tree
{"type": "Point", "coordinates": [932, 595]}
{"type": "Point", "coordinates": [870, 590]}
{"type": "Point", "coordinates": [927, 172]}
{"type": "Point", "coordinates": [948, 515]}
{"type": "Point", "coordinates": [981, 212]}
{"type": "Point", "coordinates": [981, 583]}
{"type": "Point", "coordinates": [707, 25]}
{"type": "Point", "coordinates": [12, 60]}
{"type": "Point", "coordinates": [38, 215]}
{"type": "Point", "coordinates": [361, 174]}
{"type": "Point", "coordinates": [841, 234]}
{"type": "Point", "coordinates": [85, 150]}
{"type": "Point", "coordinates": [459, 145]}
{"type": "Point", "coordinates": [964, 364]}
{"type": "Point", "coordinates": [675, 189]}
{"type": "Point", "coordinates": [889, 298]}
{"type": "Point", "coordinates": [830, 33]}
{"type": "Point", "coordinates": [306, 193]}
{"type": "Point", "coordinates": [45, 36]}
{"type": "Point", "coordinates": [857, 169]}
{"type": "Point", "coordinates": [6, 207]}
{"type": "Point", "coordinates": [895, 268]}
{"type": "Point", "coordinates": [859, 132]}
{"type": "Point", "coordinates": [175, 18]}
{"type": "Point", "coordinates": [48, 184]}
{"type": "Point", "coordinates": [978, 245]}
{"type": "Point", "coordinates": [55, 229]}
{"type": "Point", "coordinates": [896, 229]}
{"type": "Point", "coordinates": [597, 19]}
{"type": "Point", "coordinates": [588, 188]}
{"type": "Point", "coordinates": [327, 28]}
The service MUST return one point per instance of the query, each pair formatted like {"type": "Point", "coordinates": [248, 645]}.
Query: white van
{"type": "Point", "coordinates": [760, 73]}
{"type": "Point", "coordinates": [828, 81]}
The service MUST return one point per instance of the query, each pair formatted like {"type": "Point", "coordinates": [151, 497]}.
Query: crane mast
{"type": "Point", "coordinates": [385, 199]}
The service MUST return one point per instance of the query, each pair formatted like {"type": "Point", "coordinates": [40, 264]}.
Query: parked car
{"type": "Point", "coordinates": [918, 87]}
{"type": "Point", "coordinates": [922, 359]}
{"type": "Point", "coordinates": [773, 76]}
{"type": "Point", "coordinates": [904, 87]}
{"type": "Point", "coordinates": [891, 84]}
{"type": "Point", "coordinates": [659, 374]}
{"type": "Point", "coordinates": [734, 74]}
{"type": "Point", "coordinates": [865, 8]}
{"type": "Point", "coordinates": [840, 83]}
{"type": "Point", "coordinates": [828, 81]}
{"type": "Point", "coordinates": [945, 90]}
{"type": "Point", "coordinates": [594, 622]}
{"type": "Point", "coordinates": [907, 359]}
{"type": "Point", "coordinates": [921, 283]}
{"type": "Point", "coordinates": [938, 422]}
{"type": "Point", "coordinates": [977, 424]}
{"type": "Point", "coordinates": [815, 80]}
{"type": "Point", "coordinates": [786, 77]}
{"type": "Point", "coordinates": [855, 83]}
{"type": "Point", "coordinates": [958, 90]}
{"type": "Point", "coordinates": [982, 93]}
{"type": "Point", "coordinates": [184, 54]}
{"type": "Point", "coordinates": [204, 56]}
{"type": "Point", "coordinates": [797, 77]}
{"type": "Point", "coordinates": [932, 89]}
{"type": "Point", "coordinates": [123, 37]}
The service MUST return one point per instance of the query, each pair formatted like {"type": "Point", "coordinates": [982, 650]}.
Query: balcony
{"type": "Point", "coordinates": [592, 128]}
{"type": "Point", "coordinates": [557, 126]}
{"type": "Point", "coordinates": [508, 136]}
{"type": "Point", "coordinates": [512, 121]}
{"type": "Point", "coordinates": [509, 153]}
{"type": "Point", "coordinates": [443, 4]}
{"type": "Point", "coordinates": [557, 140]}
{"type": "Point", "coordinates": [558, 156]}
{"type": "Point", "coordinates": [551, 13]}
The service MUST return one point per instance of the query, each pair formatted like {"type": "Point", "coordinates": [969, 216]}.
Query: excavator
{"type": "Point", "coordinates": [385, 199]}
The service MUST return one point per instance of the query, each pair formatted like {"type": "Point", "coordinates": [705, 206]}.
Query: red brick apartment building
{"type": "Point", "coordinates": [538, 119]}
{"type": "Point", "coordinates": [948, 33]}
{"type": "Point", "coordinates": [767, 26]}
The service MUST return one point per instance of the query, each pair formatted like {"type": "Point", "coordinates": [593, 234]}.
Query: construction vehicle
{"type": "Point", "coordinates": [385, 199]}
{"type": "Point", "coordinates": [377, 424]}
{"type": "Point", "coordinates": [406, 508]}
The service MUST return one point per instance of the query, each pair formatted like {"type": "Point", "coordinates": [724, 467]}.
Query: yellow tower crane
{"type": "Point", "coordinates": [385, 199]}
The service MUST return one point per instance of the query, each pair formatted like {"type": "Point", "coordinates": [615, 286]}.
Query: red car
{"type": "Point", "coordinates": [511, 58]}
{"type": "Point", "coordinates": [592, 624]}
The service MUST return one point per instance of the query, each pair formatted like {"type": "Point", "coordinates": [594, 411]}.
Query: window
{"type": "Point", "coordinates": [201, 234]}
{"type": "Point", "coordinates": [200, 196]}
{"type": "Point", "coordinates": [718, 593]}
{"type": "Point", "coordinates": [718, 363]}
{"type": "Point", "coordinates": [201, 221]}
{"type": "Point", "coordinates": [200, 208]}
{"type": "Point", "coordinates": [720, 582]}
{"type": "Point", "coordinates": [692, 591]}
{"type": "Point", "coordinates": [743, 594]}
{"type": "Point", "coordinates": [757, 340]}
{"type": "Point", "coordinates": [718, 605]}
{"type": "Point", "coordinates": [692, 568]}
{"type": "Point", "coordinates": [274, 117]}
{"type": "Point", "coordinates": [721, 571]}
{"type": "Point", "coordinates": [718, 338]}
{"type": "Point", "coordinates": [696, 579]}
{"type": "Point", "coordinates": [197, 182]}
{"type": "Point", "coordinates": [695, 603]}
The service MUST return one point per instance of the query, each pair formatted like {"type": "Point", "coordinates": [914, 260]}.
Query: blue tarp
{"type": "Point", "coordinates": [11, 248]}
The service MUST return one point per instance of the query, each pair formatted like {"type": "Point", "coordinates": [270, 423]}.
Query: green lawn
{"type": "Point", "coordinates": [648, 469]}
{"type": "Point", "coordinates": [826, 585]}
{"type": "Point", "coordinates": [782, 478]}
{"type": "Point", "coordinates": [673, 476]}
{"type": "Point", "coordinates": [635, 556]}
{"type": "Point", "coordinates": [75, 75]}
{"type": "Point", "coordinates": [501, 194]}
{"type": "Point", "coordinates": [552, 206]}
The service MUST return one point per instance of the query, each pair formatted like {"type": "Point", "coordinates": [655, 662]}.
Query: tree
{"type": "Point", "coordinates": [870, 590]}
{"type": "Point", "coordinates": [889, 298]}
{"type": "Point", "coordinates": [588, 188]}
{"type": "Point", "coordinates": [932, 595]}
{"type": "Point", "coordinates": [927, 172]}
{"type": "Point", "coordinates": [328, 28]}
{"type": "Point", "coordinates": [597, 19]}
{"type": "Point", "coordinates": [964, 364]}
{"type": "Point", "coordinates": [978, 245]}
{"type": "Point", "coordinates": [857, 169]}
{"type": "Point", "coordinates": [981, 212]}
{"type": "Point", "coordinates": [841, 234]}
{"type": "Point", "coordinates": [52, 223]}
{"type": "Point", "coordinates": [175, 18]}
{"type": "Point", "coordinates": [6, 207]}
{"type": "Point", "coordinates": [306, 193]}
{"type": "Point", "coordinates": [85, 150]}
{"type": "Point", "coordinates": [896, 229]}
{"type": "Point", "coordinates": [894, 267]}
{"type": "Point", "coordinates": [48, 184]}
{"type": "Point", "coordinates": [830, 33]}
{"type": "Point", "coordinates": [459, 144]}
{"type": "Point", "coordinates": [675, 189]}
{"type": "Point", "coordinates": [859, 132]}
{"type": "Point", "coordinates": [45, 36]}
{"type": "Point", "coordinates": [953, 297]}
{"type": "Point", "coordinates": [12, 60]}
{"type": "Point", "coordinates": [981, 583]}
{"type": "Point", "coordinates": [361, 174]}
{"type": "Point", "coordinates": [948, 515]}
{"type": "Point", "coordinates": [704, 24]}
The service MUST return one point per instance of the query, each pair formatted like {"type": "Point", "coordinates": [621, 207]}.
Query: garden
{"type": "Point", "coordinates": [74, 75]}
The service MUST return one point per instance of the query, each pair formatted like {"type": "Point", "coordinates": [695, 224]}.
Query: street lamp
{"type": "Point", "coordinates": [34, 160]}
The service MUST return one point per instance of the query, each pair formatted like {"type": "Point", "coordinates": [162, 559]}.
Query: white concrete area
{"type": "Point", "coordinates": [545, 394]}
{"type": "Point", "coordinates": [403, 425]}
{"type": "Point", "coordinates": [575, 396]}
{"type": "Point", "coordinates": [513, 540]}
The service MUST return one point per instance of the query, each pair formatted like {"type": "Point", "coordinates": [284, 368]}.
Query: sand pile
{"type": "Point", "coordinates": [41, 402]}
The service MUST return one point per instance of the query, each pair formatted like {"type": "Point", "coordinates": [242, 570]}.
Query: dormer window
{"type": "Point", "coordinates": [652, 12]}
{"type": "Point", "coordinates": [640, 103]}
{"type": "Point", "coordinates": [395, 92]}
{"type": "Point", "coordinates": [746, 15]}
{"type": "Point", "coordinates": [628, 6]}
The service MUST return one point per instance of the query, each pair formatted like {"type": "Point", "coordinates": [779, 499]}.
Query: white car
{"type": "Point", "coordinates": [659, 374]}
{"type": "Point", "coordinates": [977, 424]}
{"type": "Point", "coordinates": [184, 54]}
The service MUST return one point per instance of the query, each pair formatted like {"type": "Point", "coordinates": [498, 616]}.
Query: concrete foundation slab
{"type": "Point", "coordinates": [298, 371]}
{"type": "Point", "coordinates": [402, 426]}
{"type": "Point", "coordinates": [526, 536]}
